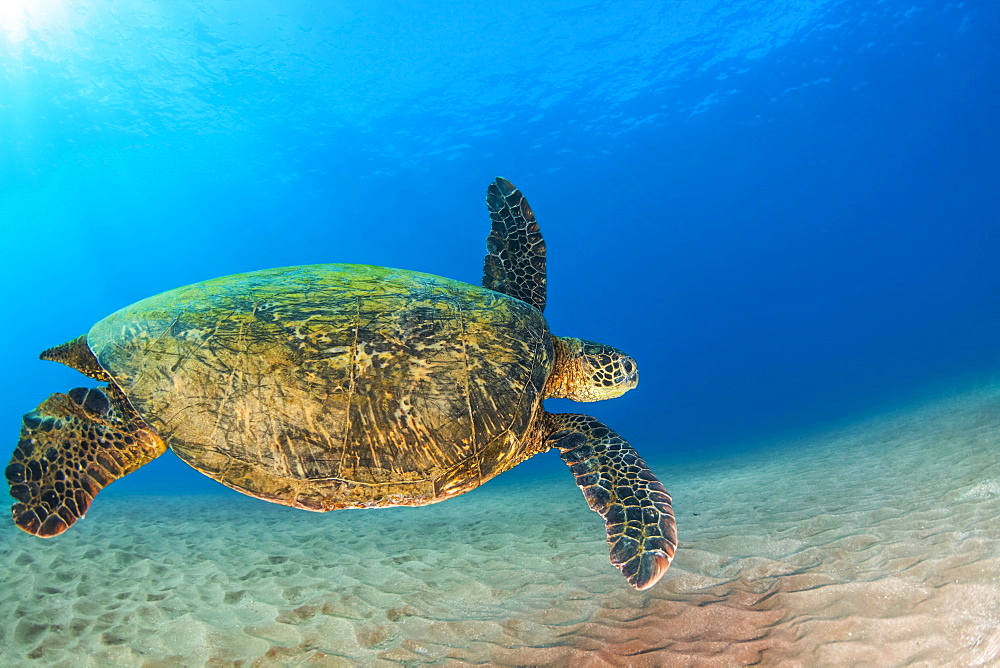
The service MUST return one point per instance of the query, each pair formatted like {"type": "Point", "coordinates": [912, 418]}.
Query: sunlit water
{"type": "Point", "coordinates": [786, 212]}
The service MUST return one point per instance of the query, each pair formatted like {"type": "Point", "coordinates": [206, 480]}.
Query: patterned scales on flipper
{"type": "Point", "coordinates": [72, 446]}
{"type": "Point", "coordinates": [515, 261]}
{"type": "Point", "coordinates": [617, 484]}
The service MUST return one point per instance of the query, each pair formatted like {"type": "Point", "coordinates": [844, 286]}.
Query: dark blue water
{"type": "Point", "coordinates": [786, 211]}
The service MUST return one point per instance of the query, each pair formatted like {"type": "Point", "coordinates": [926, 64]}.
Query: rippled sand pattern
{"type": "Point", "coordinates": [877, 545]}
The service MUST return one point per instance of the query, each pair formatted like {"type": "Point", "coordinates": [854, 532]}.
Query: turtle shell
{"type": "Point", "coordinates": [335, 386]}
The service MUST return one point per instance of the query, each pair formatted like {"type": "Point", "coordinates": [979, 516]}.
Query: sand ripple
{"type": "Point", "coordinates": [876, 545]}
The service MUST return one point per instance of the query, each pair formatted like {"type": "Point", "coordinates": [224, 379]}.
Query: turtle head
{"type": "Point", "coordinates": [588, 371]}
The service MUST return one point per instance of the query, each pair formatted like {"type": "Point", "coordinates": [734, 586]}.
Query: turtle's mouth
{"type": "Point", "coordinates": [628, 380]}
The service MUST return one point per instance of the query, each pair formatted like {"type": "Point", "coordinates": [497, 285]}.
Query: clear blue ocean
{"type": "Point", "coordinates": [787, 212]}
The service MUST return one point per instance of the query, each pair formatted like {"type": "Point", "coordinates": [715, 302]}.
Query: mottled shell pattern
{"type": "Point", "coordinates": [335, 386]}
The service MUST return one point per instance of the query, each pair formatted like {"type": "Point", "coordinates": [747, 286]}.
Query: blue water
{"type": "Point", "coordinates": [786, 211]}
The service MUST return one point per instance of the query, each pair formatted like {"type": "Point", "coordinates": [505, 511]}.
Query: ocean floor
{"type": "Point", "coordinates": [877, 544]}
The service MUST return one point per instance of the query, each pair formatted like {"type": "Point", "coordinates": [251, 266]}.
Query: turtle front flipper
{"type": "Point", "coordinates": [72, 446]}
{"type": "Point", "coordinates": [515, 261]}
{"type": "Point", "coordinates": [617, 484]}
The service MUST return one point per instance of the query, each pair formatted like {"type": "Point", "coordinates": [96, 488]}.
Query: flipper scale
{"type": "Point", "coordinates": [617, 484]}
{"type": "Point", "coordinates": [515, 259]}
{"type": "Point", "coordinates": [72, 446]}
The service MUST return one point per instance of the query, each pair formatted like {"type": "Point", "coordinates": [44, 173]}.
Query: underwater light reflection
{"type": "Point", "coordinates": [20, 19]}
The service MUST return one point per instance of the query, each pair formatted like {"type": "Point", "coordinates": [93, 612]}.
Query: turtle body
{"type": "Point", "coordinates": [346, 386]}
{"type": "Point", "coordinates": [335, 386]}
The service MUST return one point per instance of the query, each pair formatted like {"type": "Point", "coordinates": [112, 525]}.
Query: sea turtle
{"type": "Point", "coordinates": [346, 386]}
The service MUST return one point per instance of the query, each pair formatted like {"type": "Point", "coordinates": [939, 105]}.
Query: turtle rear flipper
{"type": "Point", "coordinates": [72, 446]}
{"type": "Point", "coordinates": [617, 484]}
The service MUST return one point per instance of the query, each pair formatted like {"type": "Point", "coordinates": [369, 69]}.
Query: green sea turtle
{"type": "Point", "coordinates": [346, 386]}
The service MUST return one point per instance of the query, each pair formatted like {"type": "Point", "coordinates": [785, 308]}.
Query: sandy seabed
{"type": "Point", "coordinates": [877, 544]}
